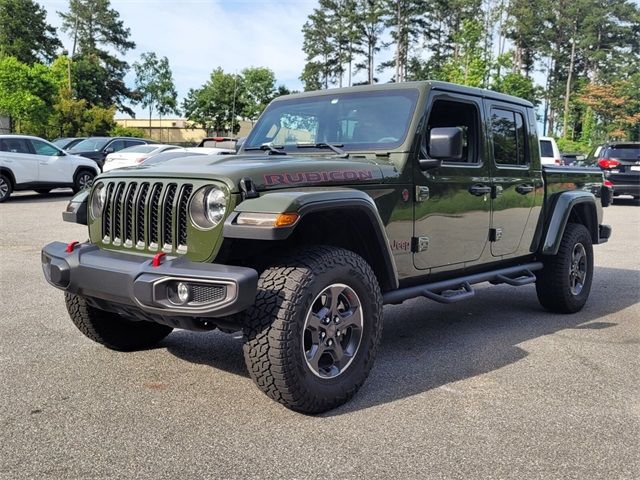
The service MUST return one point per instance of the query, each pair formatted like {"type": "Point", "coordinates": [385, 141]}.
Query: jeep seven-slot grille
{"type": "Point", "coordinates": [146, 215]}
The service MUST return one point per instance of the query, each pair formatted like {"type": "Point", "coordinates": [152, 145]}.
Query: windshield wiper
{"type": "Point", "coordinates": [273, 149]}
{"type": "Point", "coordinates": [341, 153]}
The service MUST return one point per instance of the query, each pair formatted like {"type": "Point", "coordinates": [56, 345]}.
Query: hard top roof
{"type": "Point", "coordinates": [420, 85]}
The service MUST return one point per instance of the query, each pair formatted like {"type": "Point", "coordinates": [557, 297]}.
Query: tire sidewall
{"type": "Point", "coordinates": [9, 190]}
{"type": "Point", "coordinates": [76, 186]}
{"type": "Point", "coordinates": [578, 234]}
{"type": "Point", "coordinates": [360, 365]}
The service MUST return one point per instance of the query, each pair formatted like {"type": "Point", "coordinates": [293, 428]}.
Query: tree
{"type": "Point", "coordinates": [27, 94]}
{"type": "Point", "coordinates": [154, 83]}
{"type": "Point", "coordinates": [257, 90]}
{"type": "Point", "coordinates": [468, 66]}
{"type": "Point", "coordinates": [211, 106]}
{"type": "Point", "coordinates": [318, 46]}
{"type": "Point", "coordinates": [371, 28]}
{"type": "Point", "coordinates": [25, 33]}
{"type": "Point", "coordinates": [98, 75]}
{"type": "Point", "coordinates": [407, 23]}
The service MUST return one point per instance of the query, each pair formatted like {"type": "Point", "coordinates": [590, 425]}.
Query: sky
{"type": "Point", "coordinates": [198, 36]}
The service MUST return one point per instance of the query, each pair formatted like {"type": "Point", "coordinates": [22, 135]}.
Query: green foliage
{"type": "Point", "coordinates": [25, 33]}
{"type": "Point", "coordinates": [27, 94]}
{"type": "Point", "coordinates": [120, 131]}
{"type": "Point", "coordinates": [154, 83]}
{"type": "Point", "coordinates": [98, 74]}
{"type": "Point", "coordinates": [572, 146]}
{"type": "Point", "coordinates": [468, 67]}
{"type": "Point", "coordinates": [75, 118]}
{"type": "Point", "coordinates": [513, 82]}
{"type": "Point", "coordinates": [258, 88]}
{"type": "Point", "coordinates": [212, 106]}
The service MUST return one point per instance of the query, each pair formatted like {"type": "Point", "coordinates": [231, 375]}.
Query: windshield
{"type": "Point", "coordinates": [60, 142]}
{"type": "Point", "coordinates": [94, 144]}
{"type": "Point", "coordinates": [372, 120]}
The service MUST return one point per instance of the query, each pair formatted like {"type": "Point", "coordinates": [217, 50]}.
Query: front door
{"type": "Point", "coordinates": [54, 166]}
{"type": "Point", "coordinates": [453, 202]}
{"type": "Point", "coordinates": [515, 183]}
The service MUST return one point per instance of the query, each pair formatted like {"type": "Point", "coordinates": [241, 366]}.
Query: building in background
{"type": "Point", "coordinates": [5, 125]}
{"type": "Point", "coordinates": [173, 130]}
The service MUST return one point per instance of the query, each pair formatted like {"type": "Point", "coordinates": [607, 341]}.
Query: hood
{"type": "Point", "coordinates": [267, 171]}
{"type": "Point", "coordinates": [87, 153]}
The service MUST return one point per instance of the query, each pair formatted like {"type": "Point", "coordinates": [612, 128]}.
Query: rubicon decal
{"type": "Point", "coordinates": [317, 177]}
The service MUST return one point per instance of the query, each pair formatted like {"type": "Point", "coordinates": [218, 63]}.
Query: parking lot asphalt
{"type": "Point", "coordinates": [493, 387]}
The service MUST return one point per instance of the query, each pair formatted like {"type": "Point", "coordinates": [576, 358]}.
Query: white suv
{"type": "Point", "coordinates": [31, 163]}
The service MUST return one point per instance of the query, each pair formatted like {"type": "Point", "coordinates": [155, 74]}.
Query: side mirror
{"type": "Point", "coordinates": [109, 150]}
{"type": "Point", "coordinates": [445, 143]}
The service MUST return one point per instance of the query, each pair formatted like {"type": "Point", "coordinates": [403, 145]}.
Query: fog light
{"type": "Point", "coordinates": [183, 292]}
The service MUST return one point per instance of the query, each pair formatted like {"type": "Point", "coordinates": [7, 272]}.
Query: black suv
{"type": "Point", "coordinates": [97, 148]}
{"type": "Point", "coordinates": [620, 162]}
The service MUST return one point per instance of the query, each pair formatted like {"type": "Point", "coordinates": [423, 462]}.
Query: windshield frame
{"type": "Point", "coordinates": [325, 99]}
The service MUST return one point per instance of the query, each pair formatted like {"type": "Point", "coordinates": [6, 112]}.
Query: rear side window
{"type": "Point", "coordinates": [118, 145]}
{"type": "Point", "coordinates": [130, 143]}
{"type": "Point", "coordinates": [546, 149]}
{"type": "Point", "coordinates": [14, 145]}
{"type": "Point", "coordinates": [509, 137]}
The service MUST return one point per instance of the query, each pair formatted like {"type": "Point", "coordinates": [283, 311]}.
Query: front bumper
{"type": "Point", "coordinates": [132, 281]}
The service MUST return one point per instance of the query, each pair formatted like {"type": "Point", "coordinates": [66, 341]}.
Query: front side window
{"type": "Point", "coordinates": [449, 113]}
{"type": "Point", "coordinates": [357, 121]}
{"type": "Point", "coordinates": [509, 137]}
{"type": "Point", "coordinates": [42, 148]}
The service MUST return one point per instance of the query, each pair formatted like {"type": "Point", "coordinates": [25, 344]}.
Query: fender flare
{"type": "Point", "coordinates": [305, 203]}
{"type": "Point", "coordinates": [562, 207]}
{"type": "Point", "coordinates": [7, 171]}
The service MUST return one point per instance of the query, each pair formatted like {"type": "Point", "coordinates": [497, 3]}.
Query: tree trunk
{"type": "Point", "coordinates": [398, 42]}
{"type": "Point", "coordinates": [565, 126]}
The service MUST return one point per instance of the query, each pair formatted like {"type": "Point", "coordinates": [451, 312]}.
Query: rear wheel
{"type": "Point", "coordinates": [313, 332]}
{"type": "Point", "coordinates": [563, 285]}
{"type": "Point", "coordinates": [112, 330]}
{"type": "Point", "coordinates": [5, 188]}
{"type": "Point", "coordinates": [84, 179]}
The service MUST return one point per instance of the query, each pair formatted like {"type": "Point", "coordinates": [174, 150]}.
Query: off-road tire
{"type": "Point", "coordinates": [77, 180]}
{"type": "Point", "coordinates": [553, 281]}
{"type": "Point", "coordinates": [7, 188]}
{"type": "Point", "coordinates": [42, 191]}
{"type": "Point", "coordinates": [273, 328]}
{"type": "Point", "coordinates": [112, 330]}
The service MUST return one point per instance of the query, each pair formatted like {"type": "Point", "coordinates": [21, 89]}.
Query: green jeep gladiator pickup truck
{"type": "Point", "coordinates": [339, 201]}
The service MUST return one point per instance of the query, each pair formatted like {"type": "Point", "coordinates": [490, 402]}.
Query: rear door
{"type": "Point", "coordinates": [515, 181]}
{"type": "Point", "coordinates": [452, 209]}
{"type": "Point", "coordinates": [53, 165]}
{"type": "Point", "coordinates": [17, 155]}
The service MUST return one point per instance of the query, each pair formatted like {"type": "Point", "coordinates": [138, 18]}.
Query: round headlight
{"type": "Point", "coordinates": [207, 207]}
{"type": "Point", "coordinates": [97, 200]}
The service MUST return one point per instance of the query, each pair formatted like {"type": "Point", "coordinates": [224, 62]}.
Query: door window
{"type": "Point", "coordinates": [42, 148]}
{"type": "Point", "coordinates": [14, 145]}
{"type": "Point", "coordinates": [132, 143]}
{"type": "Point", "coordinates": [117, 145]}
{"type": "Point", "coordinates": [509, 137]}
{"type": "Point", "coordinates": [447, 113]}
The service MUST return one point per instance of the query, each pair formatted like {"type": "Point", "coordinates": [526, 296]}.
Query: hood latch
{"type": "Point", "coordinates": [248, 188]}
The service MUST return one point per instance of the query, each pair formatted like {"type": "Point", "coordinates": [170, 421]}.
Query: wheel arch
{"type": "Point", "coordinates": [342, 218]}
{"type": "Point", "coordinates": [9, 174]}
{"type": "Point", "coordinates": [575, 207]}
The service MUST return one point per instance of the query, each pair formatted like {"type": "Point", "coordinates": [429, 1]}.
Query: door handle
{"type": "Point", "coordinates": [524, 189]}
{"type": "Point", "coordinates": [479, 189]}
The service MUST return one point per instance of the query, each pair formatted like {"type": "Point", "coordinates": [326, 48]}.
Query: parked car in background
{"type": "Point", "coordinates": [211, 150]}
{"type": "Point", "coordinates": [172, 155]}
{"type": "Point", "coordinates": [132, 156]}
{"type": "Point", "coordinates": [549, 152]}
{"type": "Point", "coordinates": [67, 143]}
{"type": "Point", "coordinates": [97, 148]}
{"type": "Point", "coordinates": [620, 162]}
{"type": "Point", "coordinates": [573, 159]}
{"type": "Point", "coordinates": [218, 142]}
{"type": "Point", "coordinates": [31, 163]}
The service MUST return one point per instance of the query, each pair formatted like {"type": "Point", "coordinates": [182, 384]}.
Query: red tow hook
{"type": "Point", "coordinates": [71, 246]}
{"type": "Point", "coordinates": [157, 259]}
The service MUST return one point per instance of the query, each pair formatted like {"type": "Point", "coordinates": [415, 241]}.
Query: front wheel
{"type": "Point", "coordinates": [112, 330]}
{"type": "Point", "coordinates": [313, 333]}
{"type": "Point", "coordinates": [563, 285]}
{"type": "Point", "coordinates": [84, 179]}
